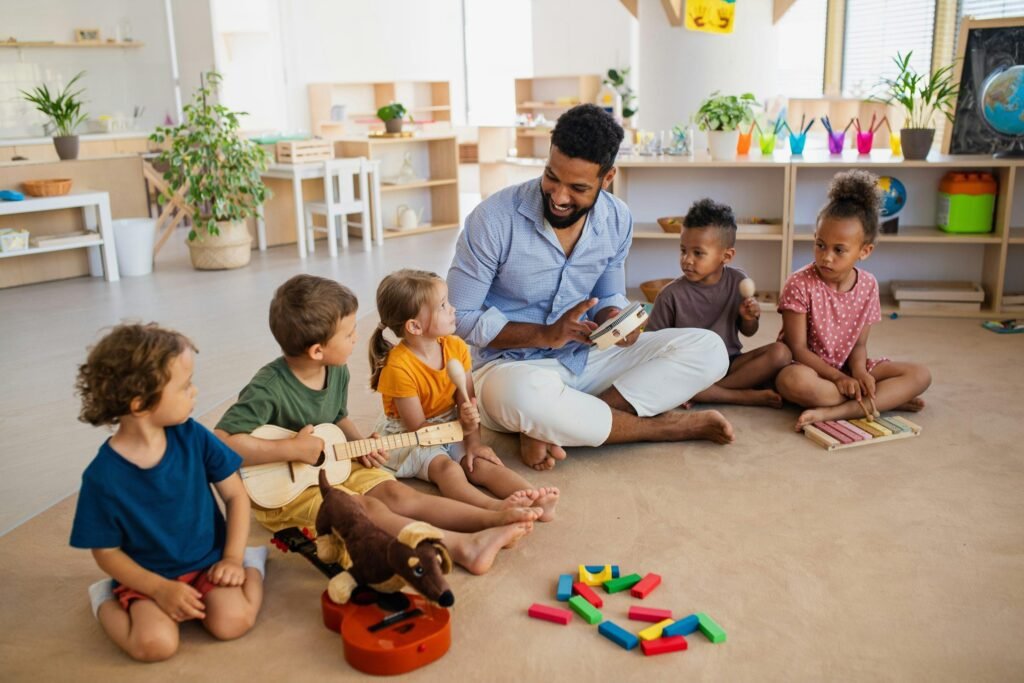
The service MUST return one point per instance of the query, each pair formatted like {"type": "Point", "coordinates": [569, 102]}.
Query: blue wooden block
{"type": "Point", "coordinates": [683, 627]}
{"type": "Point", "coordinates": [618, 635]}
{"type": "Point", "coordinates": [598, 568]}
{"type": "Point", "coordinates": [564, 591]}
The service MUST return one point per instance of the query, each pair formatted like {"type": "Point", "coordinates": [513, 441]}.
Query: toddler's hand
{"type": "Point", "coordinates": [307, 446]}
{"type": "Point", "coordinates": [377, 457]}
{"type": "Point", "coordinates": [227, 573]}
{"type": "Point", "coordinates": [484, 453]}
{"type": "Point", "coordinates": [848, 387]}
{"type": "Point", "coordinates": [180, 601]}
{"type": "Point", "coordinates": [867, 383]}
{"type": "Point", "coordinates": [469, 416]}
{"type": "Point", "coordinates": [750, 309]}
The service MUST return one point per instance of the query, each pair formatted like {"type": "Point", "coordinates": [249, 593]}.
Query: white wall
{"type": "Point", "coordinates": [497, 53]}
{"type": "Point", "coordinates": [193, 39]}
{"type": "Point", "coordinates": [116, 80]}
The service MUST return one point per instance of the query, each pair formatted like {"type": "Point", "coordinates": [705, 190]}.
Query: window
{"type": "Point", "coordinates": [990, 9]}
{"type": "Point", "coordinates": [875, 31]}
{"type": "Point", "coordinates": [801, 49]}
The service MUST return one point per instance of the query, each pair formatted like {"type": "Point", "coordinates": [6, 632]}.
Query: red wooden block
{"type": "Point", "coordinates": [586, 592]}
{"type": "Point", "coordinates": [559, 616]}
{"type": "Point", "coordinates": [645, 586]}
{"type": "Point", "coordinates": [649, 614]}
{"type": "Point", "coordinates": [660, 646]}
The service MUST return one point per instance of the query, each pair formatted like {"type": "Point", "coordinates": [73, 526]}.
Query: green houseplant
{"type": "Point", "coordinates": [218, 173]}
{"type": "Point", "coordinates": [616, 78]}
{"type": "Point", "coordinates": [64, 109]}
{"type": "Point", "coordinates": [721, 116]}
{"type": "Point", "coordinates": [391, 115]}
{"type": "Point", "coordinates": [922, 97]}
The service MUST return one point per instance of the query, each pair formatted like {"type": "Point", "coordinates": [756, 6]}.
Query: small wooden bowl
{"type": "Point", "coordinates": [47, 188]}
{"type": "Point", "coordinates": [671, 224]}
{"type": "Point", "coordinates": [652, 287]}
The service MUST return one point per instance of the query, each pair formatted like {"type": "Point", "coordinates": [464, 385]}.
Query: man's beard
{"type": "Point", "coordinates": [558, 222]}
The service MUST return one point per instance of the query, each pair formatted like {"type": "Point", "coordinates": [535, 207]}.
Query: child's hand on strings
{"type": "Point", "coordinates": [377, 457]}
{"type": "Point", "coordinates": [227, 573]}
{"type": "Point", "coordinates": [469, 416]}
{"type": "Point", "coordinates": [484, 453]}
{"type": "Point", "coordinates": [307, 446]}
{"type": "Point", "coordinates": [180, 601]}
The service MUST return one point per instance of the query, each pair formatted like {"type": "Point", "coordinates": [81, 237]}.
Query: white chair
{"type": "Point", "coordinates": [340, 179]}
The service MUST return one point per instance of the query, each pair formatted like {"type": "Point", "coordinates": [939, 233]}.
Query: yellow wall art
{"type": "Point", "coordinates": [710, 16]}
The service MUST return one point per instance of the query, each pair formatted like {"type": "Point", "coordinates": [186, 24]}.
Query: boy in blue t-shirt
{"type": "Point", "coordinates": [146, 509]}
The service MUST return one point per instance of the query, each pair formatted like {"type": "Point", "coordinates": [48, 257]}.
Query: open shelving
{"type": "Point", "coordinates": [426, 101]}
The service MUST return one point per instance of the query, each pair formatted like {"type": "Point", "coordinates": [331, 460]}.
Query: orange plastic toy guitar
{"type": "Point", "coordinates": [275, 484]}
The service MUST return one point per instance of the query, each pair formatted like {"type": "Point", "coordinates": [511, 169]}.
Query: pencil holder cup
{"type": "Point", "coordinates": [743, 143]}
{"type": "Point", "coordinates": [797, 142]}
{"type": "Point", "coordinates": [767, 143]}
{"type": "Point", "coordinates": [836, 141]}
{"type": "Point", "coordinates": [895, 144]}
{"type": "Point", "coordinates": [865, 140]}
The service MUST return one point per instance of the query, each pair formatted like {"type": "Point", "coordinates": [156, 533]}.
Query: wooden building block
{"type": "Point", "coordinates": [585, 610]}
{"type": "Point", "coordinates": [683, 627]}
{"type": "Point", "coordinates": [652, 632]}
{"type": "Point", "coordinates": [553, 614]}
{"type": "Point", "coordinates": [647, 584]}
{"type": "Point", "coordinates": [618, 635]}
{"type": "Point", "coordinates": [710, 629]}
{"type": "Point", "coordinates": [649, 614]}
{"type": "Point", "coordinates": [595, 578]}
{"type": "Point", "coordinates": [587, 593]}
{"type": "Point", "coordinates": [595, 568]}
{"type": "Point", "coordinates": [662, 645]}
{"type": "Point", "coordinates": [621, 583]}
{"type": "Point", "coordinates": [564, 590]}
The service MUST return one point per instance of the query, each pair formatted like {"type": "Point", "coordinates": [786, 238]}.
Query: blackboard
{"type": "Point", "coordinates": [983, 46]}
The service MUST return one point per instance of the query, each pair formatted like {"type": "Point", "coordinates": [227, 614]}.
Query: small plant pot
{"type": "Point", "coordinates": [722, 144]}
{"type": "Point", "coordinates": [916, 142]}
{"type": "Point", "coordinates": [393, 126]}
{"type": "Point", "coordinates": [67, 146]}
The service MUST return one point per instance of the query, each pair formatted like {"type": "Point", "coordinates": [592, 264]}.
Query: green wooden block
{"type": "Point", "coordinates": [711, 630]}
{"type": "Point", "coordinates": [622, 583]}
{"type": "Point", "coordinates": [583, 608]}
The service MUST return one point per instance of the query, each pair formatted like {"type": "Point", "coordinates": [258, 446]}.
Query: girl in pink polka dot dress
{"type": "Point", "coordinates": [828, 308]}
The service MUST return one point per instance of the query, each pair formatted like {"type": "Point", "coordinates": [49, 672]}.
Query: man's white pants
{"type": "Point", "coordinates": [544, 400]}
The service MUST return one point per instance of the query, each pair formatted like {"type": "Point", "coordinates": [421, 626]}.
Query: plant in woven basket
{"type": "Point", "coordinates": [218, 169]}
{"type": "Point", "coordinates": [64, 108]}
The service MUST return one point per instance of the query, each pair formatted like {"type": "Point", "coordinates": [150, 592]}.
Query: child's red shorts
{"type": "Point", "coordinates": [197, 579]}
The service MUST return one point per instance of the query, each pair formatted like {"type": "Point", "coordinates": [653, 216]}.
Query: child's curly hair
{"type": "Point", "coordinates": [131, 362]}
{"type": "Point", "coordinates": [854, 194]}
{"type": "Point", "coordinates": [707, 213]}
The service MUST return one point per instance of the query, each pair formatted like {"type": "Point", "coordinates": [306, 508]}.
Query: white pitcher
{"type": "Point", "coordinates": [408, 218]}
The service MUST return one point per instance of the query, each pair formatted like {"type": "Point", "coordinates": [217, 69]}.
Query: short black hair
{"type": "Point", "coordinates": [707, 213]}
{"type": "Point", "coordinates": [588, 132]}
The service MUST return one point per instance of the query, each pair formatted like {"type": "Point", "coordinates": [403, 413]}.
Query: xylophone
{"type": "Point", "coordinates": [836, 434]}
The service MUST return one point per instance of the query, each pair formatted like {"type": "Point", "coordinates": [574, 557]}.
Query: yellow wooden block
{"type": "Point", "coordinates": [597, 579]}
{"type": "Point", "coordinates": [654, 632]}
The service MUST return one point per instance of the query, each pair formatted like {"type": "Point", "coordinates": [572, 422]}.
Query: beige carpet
{"type": "Point", "coordinates": [897, 562]}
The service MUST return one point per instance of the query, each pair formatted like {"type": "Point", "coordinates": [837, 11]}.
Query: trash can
{"type": "Point", "coordinates": [133, 242]}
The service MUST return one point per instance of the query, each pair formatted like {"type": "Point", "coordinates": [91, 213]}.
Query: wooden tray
{"type": "Point", "coordinates": [936, 290]}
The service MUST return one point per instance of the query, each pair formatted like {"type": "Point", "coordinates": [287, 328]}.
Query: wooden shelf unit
{"type": "Point", "coordinates": [46, 43]}
{"type": "Point", "coordinates": [541, 95]}
{"type": "Point", "coordinates": [435, 157]}
{"type": "Point", "coordinates": [794, 189]}
{"type": "Point", "coordinates": [423, 100]}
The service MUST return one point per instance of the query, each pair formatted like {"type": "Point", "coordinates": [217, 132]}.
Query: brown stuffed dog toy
{"type": "Point", "coordinates": [371, 557]}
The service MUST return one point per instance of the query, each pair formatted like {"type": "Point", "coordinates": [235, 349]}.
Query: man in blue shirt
{"type": "Point", "coordinates": [538, 267]}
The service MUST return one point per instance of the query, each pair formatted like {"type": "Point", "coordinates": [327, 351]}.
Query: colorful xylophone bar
{"type": "Point", "coordinates": [835, 434]}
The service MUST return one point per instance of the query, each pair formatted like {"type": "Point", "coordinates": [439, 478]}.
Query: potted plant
{"type": "Point", "coordinates": [64, 111]}
{"type": "Point", "coordinates": [616, 78]}
{"type": "Point", "coordinates": [218, 172]}
{"type": "Point", "coordinates": [391, 115]}
{"type": "Point", "coordinates": [921, 98]}
{"type": "Point", "coordinates": [721, 116]}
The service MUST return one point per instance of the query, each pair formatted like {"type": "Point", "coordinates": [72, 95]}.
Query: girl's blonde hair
{"type": "Point", "coordinates": [400, 297]}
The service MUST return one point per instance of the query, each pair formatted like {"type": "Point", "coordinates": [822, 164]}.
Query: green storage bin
{"type": "Point", "coordinates": [967, 202]}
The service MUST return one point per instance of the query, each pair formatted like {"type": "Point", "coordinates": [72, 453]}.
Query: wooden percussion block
{"type": "Point", "coordinates": [833, 435]}
{"type": "Point", "coordinates": [855, 429]}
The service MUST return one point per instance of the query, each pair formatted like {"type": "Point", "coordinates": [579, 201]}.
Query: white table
{"type": "Point", "coordinates": [299, 172]}
{"type": "Point", "coordinates": [96, 216]}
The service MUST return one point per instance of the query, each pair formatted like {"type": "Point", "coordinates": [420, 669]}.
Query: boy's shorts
{"type": "Point", "coordinates": [302, 511]}
{"type": "Point", "coordinates": [198, 579]}
{"type": "Point", "coordinates": [413, 462]}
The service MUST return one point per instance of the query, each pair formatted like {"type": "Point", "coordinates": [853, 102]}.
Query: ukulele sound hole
{"type": "Point", "coordinates": [321, 459]}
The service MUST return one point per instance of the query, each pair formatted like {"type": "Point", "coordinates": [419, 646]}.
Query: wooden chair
{"type": "Point", "coordinates": [341, 177]}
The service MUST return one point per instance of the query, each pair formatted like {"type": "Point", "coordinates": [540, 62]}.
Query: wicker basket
{"type": "Point", "coordinates": [53, 187]}
{"type": "Point", "coordinates": [652, 287]}
{"type": "Point", "coordinates": [232, 248]}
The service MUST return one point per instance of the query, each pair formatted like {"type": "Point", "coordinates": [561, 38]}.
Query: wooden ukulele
{"type": "Point", "coordinates": [272, 485]}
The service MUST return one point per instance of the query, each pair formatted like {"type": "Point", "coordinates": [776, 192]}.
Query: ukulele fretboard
{"type": "Point", "coordinates": [357, 449]}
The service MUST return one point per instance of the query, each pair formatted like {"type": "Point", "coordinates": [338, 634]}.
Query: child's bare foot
{"type": "Point", "coordinates": [539, 455]}
{"type": "Point", "coordinates": [547, 500]}
{"type": "Point", "coordinates": [708, 425]}
{"type": "Point", "coordinates": [520, 499]}
{"type": "Point", "coordinates": [914, 405]}
{"type": "Point", "coordinates": [760, 397]}
{"type": "Point", "coordinates": [810, 417]}
{"type": "Point", "coordinates": [476, 552]}
{"type": "Point", "coordinates": [520, 514]}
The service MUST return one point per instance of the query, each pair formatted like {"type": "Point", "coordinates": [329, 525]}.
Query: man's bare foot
{"type": "Point", "coordinates": [810, 417]}
{"type": "Point", "coordinates": [476, 552]}
{"type": "Point", "coordinates": [547, 501]}
{"type": "Point", "coordinates": [521, 514]}
{"type": "Point", "coordinates": [520, 499]}
{"type": "Point", "coordinates": [705, 424]}
{"type": "Point", "coordinates": [539, 455]}
{"type": "Point", "coordinates": [914, 405]}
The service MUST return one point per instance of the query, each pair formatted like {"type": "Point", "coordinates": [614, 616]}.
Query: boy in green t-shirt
{"type": "Point", "coordinates": [314, 321]}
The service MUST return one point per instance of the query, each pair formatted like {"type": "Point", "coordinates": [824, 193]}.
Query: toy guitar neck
{"type": "Point", "coordinates": [273, 485]}
{"type": "Point", "coordinates": [293, 540]}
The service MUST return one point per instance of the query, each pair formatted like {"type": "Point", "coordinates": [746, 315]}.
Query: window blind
{"type": "Point", "coordinates": [991, 9]}
{"type": "Point", "coordinates": [875, 30]}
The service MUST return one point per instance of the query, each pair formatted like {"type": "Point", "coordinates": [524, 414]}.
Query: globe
{"type": "Point", "coordinates": [894, 196]}
{"type": "Point", "coordinates": [1002, 101]}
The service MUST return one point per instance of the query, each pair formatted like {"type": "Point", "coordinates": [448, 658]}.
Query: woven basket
{"type": "Point", "coordinates": [47, 188]}
{"type": "Point", "coordinates": [652, 287]}
{"type": "Point", "coordinates": [671, 224]}
{"type": "Point", "coordinates": [232, 248]}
